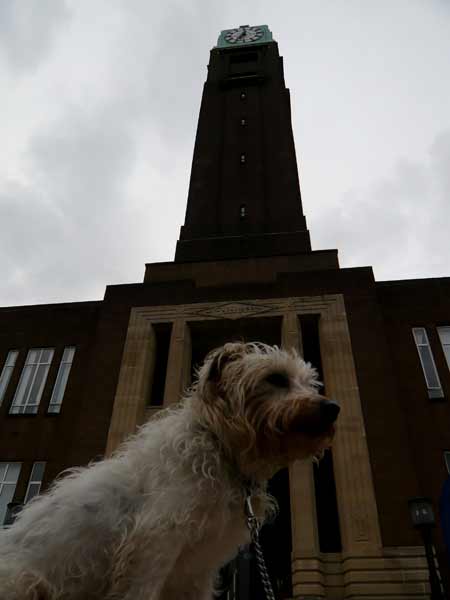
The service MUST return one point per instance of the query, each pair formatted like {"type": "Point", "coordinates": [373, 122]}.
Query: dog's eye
{"type": "Point", "coordinates": [278, 380]}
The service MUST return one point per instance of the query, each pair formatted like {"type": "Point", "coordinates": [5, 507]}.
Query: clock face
{"type": "Point", "coordinates": [244, 35]}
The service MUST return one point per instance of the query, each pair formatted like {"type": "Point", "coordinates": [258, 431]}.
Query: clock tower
{"type": "Point", "coordinates": [244, 195]}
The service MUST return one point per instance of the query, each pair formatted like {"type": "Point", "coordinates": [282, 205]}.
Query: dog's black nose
{"type": "Point", "coordinates": [329, 410]}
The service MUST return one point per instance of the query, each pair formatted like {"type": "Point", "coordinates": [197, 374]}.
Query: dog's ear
{"type": "Point", "coordinates": [220, 357]}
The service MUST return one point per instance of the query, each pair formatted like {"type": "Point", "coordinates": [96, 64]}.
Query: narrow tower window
{"type": "Point", "coordinates": [243, 122]}
{"type": "Point", "coordinates": [243, 158]}
{"type": "Point", "coordinates": [243, 211]}
{"type": "Point", "coordinates": [243, 95]}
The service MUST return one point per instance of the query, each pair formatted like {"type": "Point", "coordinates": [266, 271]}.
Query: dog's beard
{"type": "Point", "coordinates": [284, 429]}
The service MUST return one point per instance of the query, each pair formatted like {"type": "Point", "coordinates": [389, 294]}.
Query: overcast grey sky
{"type": "Point", "coordinates": [98, 110]}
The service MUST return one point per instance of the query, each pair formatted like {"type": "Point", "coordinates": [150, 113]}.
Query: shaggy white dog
{"type": "Point", "coordinates": [158, 519]}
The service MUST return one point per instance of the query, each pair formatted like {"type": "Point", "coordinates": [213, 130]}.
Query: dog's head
{"type": "Point", "coordinates": [264, 406]}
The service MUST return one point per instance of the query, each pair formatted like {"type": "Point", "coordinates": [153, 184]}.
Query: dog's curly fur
{"type": "Point", "coordinates": [157, 519]}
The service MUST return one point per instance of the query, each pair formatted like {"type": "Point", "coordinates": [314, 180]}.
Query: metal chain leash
{"type": "Point", "coordinates": [253, 525]}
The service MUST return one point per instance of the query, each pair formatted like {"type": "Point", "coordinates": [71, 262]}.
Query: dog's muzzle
{"type": "Point", "coordinates": [319, 422]}
{"type": "Point", "coordinates": [329, 410]}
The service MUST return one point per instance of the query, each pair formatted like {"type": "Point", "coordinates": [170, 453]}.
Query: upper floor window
{"type": "Point", "coordinates": [34, 485]}
{"type": "Point", "coordinates": [32, 381]}
{"type": "Point", "coordinates": [9, 476]}
{"type": "Point", "coordinates": [7, 370]}
{"type": "Point", "coordinates": [427, 361]}
{"type": "Point", "coordinates": [444, 336]}
{"type": "Point", "coordinates": [447, 460]}
{"type": "Point", "coordinates": [61, 380]}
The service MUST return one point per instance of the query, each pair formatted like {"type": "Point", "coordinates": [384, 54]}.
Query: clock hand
{"type": "Point", "coordinates": [244, 31]}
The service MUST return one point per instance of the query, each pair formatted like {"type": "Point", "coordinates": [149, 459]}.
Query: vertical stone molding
{"type": "Point", "coordinates": [358, 513]}
{"type": "Point", "coordinates": [136, 372]}
{"type": "Point", "coordinates": [179, 362]}
{"type": "Point", "coordinates": [291, 336]}
{"type": "Point", "coordinates": [307, 575]}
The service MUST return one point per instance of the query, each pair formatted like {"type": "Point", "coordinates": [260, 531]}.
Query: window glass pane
{"type": "Point", "coordinates": [420, 335]}
{"type": "Point", "coordinates": [38, 384]}
{"type": "Point", "coordinates": [68, 354]}
{"type": "Point", "coordinates": [32, 357]}
{"type": "Point", "coordinates": [59, 385]}
{"type": "Point", "coordinates": [7, 372]}
{"type": "Point", "coordinates": [431, 375]}
{"type": "Point", "coordinates": [38, 471]}
{"type": "Point", "coordinates": [6, 496]}
{"type": "Point", "coordinates": [65, 370]}
{"type": "Point", "coordinates": [33, 490]}
{"type": "Point", "coordinates": [25, 382]}
{"type": "Point", "coordinates": [447, 354]}
{"type": "Point", "coordinates": [12, 472]}
{"type": "Point", "coordinates": [11, 358]}
{"type": "Point", "coordinates": [47, 354]}
{"type": "Point", "coordinates": [30, 409]}
{"type": "Point", "coordinates": [3, 466]}
{"type": "Point", "coordinates": [23, 388]}
{"type": "Point", "coordinates": [444, 334]}
{"type": "Point", "coordinates": [447, 460]}
{"type": "Point", "coordinates": [4, 380]}
{"type": "Point", "coordinates": [54, 408]}
{"type": "Point", "coordinates": [61, 380]}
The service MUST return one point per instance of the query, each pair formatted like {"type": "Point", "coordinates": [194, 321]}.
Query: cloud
{"type": "Point", "coordinates": [398, 224]}
{"type": "Point", "coordinates": [28, 30]}
{"type": "Point", "coordinates": [99, 109]}
{"type": "Point", "coordinates": [62, 229]}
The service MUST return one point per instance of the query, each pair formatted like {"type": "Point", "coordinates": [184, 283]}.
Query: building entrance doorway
{"type": "Point", "coordinates": [240, 580]}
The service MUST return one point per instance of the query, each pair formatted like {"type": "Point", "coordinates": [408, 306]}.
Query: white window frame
{"type": "Point", "coordinates": [7, 371]}
{"type": "Point", "coordinates": [445, 345]}
{"type": "Point", "coordinates": [5, 483]}
{"type": "Point", "coordinates": [34, 481]}
{"type": "Point", "coordinates": [27, 397]}
{"type": "Point", "coordinates": [434, 391]}
{"type": "Point", "coordinates": [61, 380]}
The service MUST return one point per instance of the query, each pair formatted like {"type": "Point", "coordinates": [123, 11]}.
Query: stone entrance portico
{"type": "Point", "coordinates": [364, 569]}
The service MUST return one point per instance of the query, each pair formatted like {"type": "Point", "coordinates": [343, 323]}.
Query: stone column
{"type": "Point", "coordinates": [179, 362]}
{"type": "Point", "coordinates": [136, 372]}
{"type": "Point", "coordinates": [306, 565]}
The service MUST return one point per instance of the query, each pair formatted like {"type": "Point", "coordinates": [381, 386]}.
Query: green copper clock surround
{"type": "Point", "coordinates": [244, 35]}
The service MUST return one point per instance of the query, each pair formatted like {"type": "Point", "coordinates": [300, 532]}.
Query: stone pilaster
{"type": "Point", "coordinates": [307, 578]}
{"type": "Point", "coordinates": [360, 529]}
{"type": "Point", "coordinates": [135, 377]}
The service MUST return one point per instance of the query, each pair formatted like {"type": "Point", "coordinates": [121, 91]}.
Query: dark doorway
{"type": "Point", "coordinates": [207, 335]}
{"type": "Point", "coordinates": [162, 333]}
{"type": "Point", "coordinates": [241, 579]}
